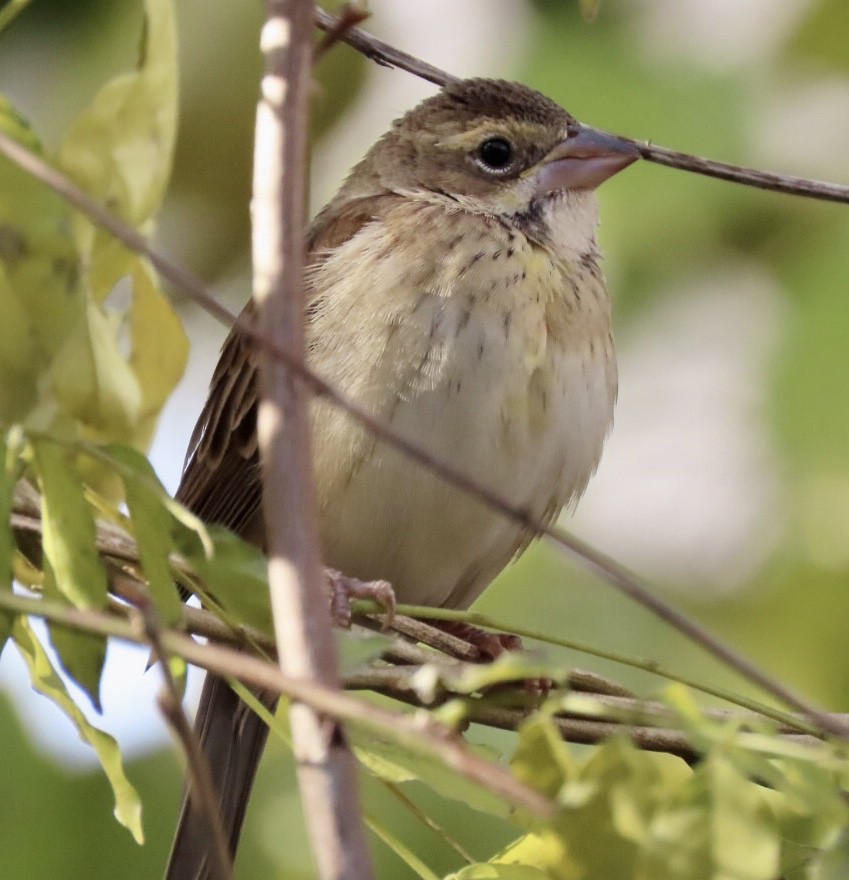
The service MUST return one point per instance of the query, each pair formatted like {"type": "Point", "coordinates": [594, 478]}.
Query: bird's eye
{"type": "Point", "coordinates": [495, 153]}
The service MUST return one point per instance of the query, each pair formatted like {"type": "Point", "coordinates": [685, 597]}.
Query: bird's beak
{"type": "Point", "coordinates": [585, 159]}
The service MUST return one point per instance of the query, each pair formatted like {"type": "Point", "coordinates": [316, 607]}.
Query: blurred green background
{"type": "Point", "coordinates": [726, 480]}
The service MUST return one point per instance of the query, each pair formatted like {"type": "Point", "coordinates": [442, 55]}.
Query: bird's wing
{"type": "Point", "coordinates": [221, 480]}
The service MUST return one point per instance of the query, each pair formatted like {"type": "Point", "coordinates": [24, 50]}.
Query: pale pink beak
{"type": "Point", "coordinates": [585, 159]}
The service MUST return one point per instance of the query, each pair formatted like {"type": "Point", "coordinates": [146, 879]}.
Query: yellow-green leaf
{"type": "Point", "coordinates": [9, 472]}
{"type": "Point", "coordinates": [41, 300]}
{"type": "Point", "coordinates": [542, 759]}
{"type": "Point", "coordinates": [82, 656]}
{"type": "Point", "coordinates": [160, 347]}
{"type": "Point", "coordinates": [745, 836]}
{"type": "Point", "coordinates": [46, 681]}
{"type": "Point", "coordinates": [93, 381]}
{"type": "Point", "coordinates": [235, 575]}
{"type": "Point", "coordinates": [395, 764]}
{"type": "Point", "coordinates": [152, 526]}
{"type": "Point", "coordinates": [833, 864]}
{"type": "Point", "coordinates": [68, 528]}
{"type": "Point", "coordinates": [119, 149]}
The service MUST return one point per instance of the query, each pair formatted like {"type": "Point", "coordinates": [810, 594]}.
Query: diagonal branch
{"type": "Point", "coordinates": [199, 776]}
{"type": "Point", "coordinates": [388, 56]}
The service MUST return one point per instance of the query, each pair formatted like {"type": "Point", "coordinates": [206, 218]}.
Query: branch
{"type": "Point", "coordinates": [450, 651]}
{"type": "Point", "coordinates": [200, 782]}
{"type": "Point", "coordinates": [379, 52]}
{"type": "Point", "coordinates": [326, 767]}
{"type": "Point", "coordinates": [387, 56]}
{"type": "Point", "coordinates": [419, 733]}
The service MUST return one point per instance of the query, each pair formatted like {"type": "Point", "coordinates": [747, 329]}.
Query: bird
{"type": "Point", "coordinates": [453, 287]}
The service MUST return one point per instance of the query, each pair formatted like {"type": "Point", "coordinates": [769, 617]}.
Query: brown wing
{"type": "Point", "coordinates": [221, 479]}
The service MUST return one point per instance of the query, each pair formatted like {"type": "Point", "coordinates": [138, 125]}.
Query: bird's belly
{"type": "Point", "coordinates": [530, 432]}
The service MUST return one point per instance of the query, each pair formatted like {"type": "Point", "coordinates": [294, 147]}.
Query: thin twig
{"type": "Point", "coordinates": [199, 775]}
{"type": "Point", "coordinates": [326, 766]}
{"type": "Point", "coordinates": [382, 53]}
{"type": "Point", "coordinates": [594, 560]}
{"type": "Point", "coordinates": [11, 11]}
{"type": "Point", "coordinates": [349, 16]}
{"type": "Point", "coordinates": [754, 177]}
{"type": "Point", "coordinates": [388, 56]}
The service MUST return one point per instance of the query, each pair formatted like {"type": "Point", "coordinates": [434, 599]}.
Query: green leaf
{"type": "Point", "coordinates": [357, 649]}
{"type": "Point", "coordinates": [387, 761]}
{"type": "Point", "coordinates": [40, 296]}
{"type": "Point", "coordinates": [68, 528]}
{"type": "Point", "coordinates": [509, 667]}
{"type": "Point", "coordinates": [160, 347]}
{"type": "Point", "coordinates": [82, 657]}
{"type": "Point", "coordinates": [152, 526]}
{"type": "Point", "coordinates": [93, 381]}
{"type": "Point", "coordinates": [234, 573]}
{"type": "Point", "coordinates": [47, 682]}
{"type": "Point", "coordinates": [9, 472]}
{"type": "Point", "coordinates": [119, 149]}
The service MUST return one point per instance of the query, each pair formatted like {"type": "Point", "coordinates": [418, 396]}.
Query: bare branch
{"type": "Point", "coordinates": [349, 16]}
{"type": "Point", "coordinates": [768, 180]}
{"type": "Point", "coordinates": [326, 767]}
{"type": "Point", "coordinates": [388, 56]}
{"type": "Point", "coordinates": [198, 774]}
{"type": "Point", "coordinates": [379, 52]}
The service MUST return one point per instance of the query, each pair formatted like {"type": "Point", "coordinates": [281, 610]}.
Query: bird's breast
{"type": "Point", "coordinates": [495, 365]}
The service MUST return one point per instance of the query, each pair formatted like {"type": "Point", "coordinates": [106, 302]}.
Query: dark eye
{"type": "Point", "coordinates": [496, 153]}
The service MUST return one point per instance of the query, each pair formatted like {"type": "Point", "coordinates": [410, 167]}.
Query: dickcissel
{"type": "Point", "coordinates": [453, 288]}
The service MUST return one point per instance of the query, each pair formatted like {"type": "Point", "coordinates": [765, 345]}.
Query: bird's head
{"type": "Point", "coordinates": [495, 147]}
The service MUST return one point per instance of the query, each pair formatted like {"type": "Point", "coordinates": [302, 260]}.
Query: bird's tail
{"type": "Point", "coordinates": [232, 737]}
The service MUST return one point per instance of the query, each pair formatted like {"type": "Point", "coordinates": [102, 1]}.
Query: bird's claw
{"type": "Point", "coordinates": [344, 590]}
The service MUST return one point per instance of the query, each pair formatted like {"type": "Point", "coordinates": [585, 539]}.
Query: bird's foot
{"type": "Point", "coordinates": [344, 590]}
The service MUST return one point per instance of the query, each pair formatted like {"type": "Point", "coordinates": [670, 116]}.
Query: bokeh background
{"type": "Point", "coordinates": [726, 479]}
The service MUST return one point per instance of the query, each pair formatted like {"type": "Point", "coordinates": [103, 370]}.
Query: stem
{"type": "Point", "coordinates": [327, 773]}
